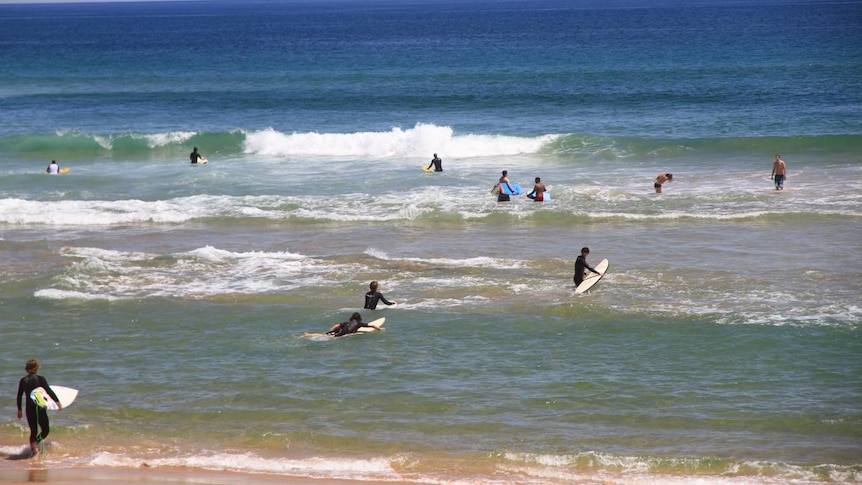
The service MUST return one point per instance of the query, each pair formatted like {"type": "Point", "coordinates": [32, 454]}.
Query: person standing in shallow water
{"type": "Point", "coordinates": [779, 172]}
{"type": "Point", "coordinates": [538, 193]}
{"type": "Point", "coordinates": [661, 179]}
{"type": "Point", "coordinates": [37, 417]}
{"type": "Point", "coordinates": [581, 266]}
{"type": "Point", "coordinates": [504, 179]}
{"type": "Point", "coordinates": [374, 296]}
{"type": "Point", "coordinates": [436, 163]}
{"type": "Point", "coordinates": [194, 156]}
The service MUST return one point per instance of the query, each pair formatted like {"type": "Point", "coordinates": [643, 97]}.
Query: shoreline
{"type": "Point", "coordinates": [132, 476]}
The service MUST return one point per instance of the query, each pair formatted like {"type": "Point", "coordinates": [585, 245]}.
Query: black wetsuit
{"type": "Point", "coordinates": [580, 268]}
{"type": "Point", "coordinates": [437, 164]}
{"type": "Point", "coordinates": [344, 328]}
{"type": "Point", "coordinates": [371, 299]}
{"type": "Point", "coordinates": [194, 156]}
{"type": "Point", "coordinates": [37, 417]}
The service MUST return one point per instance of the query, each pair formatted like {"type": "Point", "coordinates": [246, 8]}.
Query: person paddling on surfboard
{"type": "Point", "coordinates": [581, 266]}
{"type": "Point", "coordinates": [53, 168]}
{"type": "Point", "coordinates": [194, 156]}
{"type": "Point", "coordinates": [436, 163]}
{"type": "Point", "coordinates": [344, 328]}
{"type": "Point", "coordinates": [374, 296]}
{"type": "Point", "coordinates": [37, 417]}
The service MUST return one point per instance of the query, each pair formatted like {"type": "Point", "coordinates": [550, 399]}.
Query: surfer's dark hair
{"type": "Point", "coordinates": [32, 366]}
{"type": "Point", "coordinates": [585, 249]}
{"type": "Point", "coordinates": [356, 316]}
{"type": "Point", "coordinates": [373, 286]}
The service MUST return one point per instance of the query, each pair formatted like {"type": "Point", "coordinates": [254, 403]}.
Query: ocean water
{"type": "Point", "coordinates": [723, 346]}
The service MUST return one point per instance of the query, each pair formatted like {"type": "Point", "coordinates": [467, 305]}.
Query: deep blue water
{"type": "Point", "coordinates": [518, 68]}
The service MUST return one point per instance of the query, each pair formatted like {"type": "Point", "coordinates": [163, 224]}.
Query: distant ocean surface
{"type": "Point", "coordinates": [722, 347]}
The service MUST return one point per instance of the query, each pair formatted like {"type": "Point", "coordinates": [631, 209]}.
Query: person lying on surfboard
{"type": "Point", "coordinates": [344, 328]}
{"type": "Point", "coordinates": [581, 266]}
{"type": "Point", "coordinates": [374, 296]}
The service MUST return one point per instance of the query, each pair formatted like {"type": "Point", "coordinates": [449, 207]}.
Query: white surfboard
{"type": "Point", "coordinates": [66, 395]}
{"type": "Point", "coordinates": [203, 161]}
{"type": "Point", "coordinates": [373, 326]}
{"type": "Point", "coordinates": [593, 278]}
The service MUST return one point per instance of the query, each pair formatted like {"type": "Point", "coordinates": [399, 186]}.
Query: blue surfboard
{"type": "Point", "coordinates": [516, 189]}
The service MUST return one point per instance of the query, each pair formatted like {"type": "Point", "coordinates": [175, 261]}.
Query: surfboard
{"type": "Point", "coordinates": [66, 395]}
{"type": "Point", "coordinates": [203, 161]}
{"type": "Point", "coordinates": [373, 326]}
{"type": "Point", "coordinates": [516, 189]}
{"type": "Point", "coordinates": [546, 197]}
{"type": "Point", "coordinates": [593, 278]}
{"type": "Point", "coordinates": [426, 169]}
{"type": "Point", "coordinates": [64, 170]}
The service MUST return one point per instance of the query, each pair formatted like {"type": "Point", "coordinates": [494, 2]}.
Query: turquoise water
{"type": "Point", "coordinates": [722, 347]}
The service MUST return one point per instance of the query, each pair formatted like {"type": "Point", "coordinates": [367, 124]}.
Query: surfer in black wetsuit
{"type": "Point", "coordinates": [37, 417]}
{"type": "Point", "coordinates": [374, 296]}
{"type": "Point", "coordinates": [348, 327]}
{"type": "Point", "coordinates": [194, 156]}
{"type": "Point", "coordinates": [581, 266]}
{"type": "Point", "coordinates": [436, 163]}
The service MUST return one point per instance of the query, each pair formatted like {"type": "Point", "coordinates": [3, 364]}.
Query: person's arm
{"type": "Point", "coordinates": [384, 300]}
{"type": "Point", "coordinates": [44, 383]}
{"type": "Point", "coordinates": [18, 397]}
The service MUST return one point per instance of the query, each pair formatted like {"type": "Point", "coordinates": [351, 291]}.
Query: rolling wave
{"type": "Point", "coordinates": [417, 141]}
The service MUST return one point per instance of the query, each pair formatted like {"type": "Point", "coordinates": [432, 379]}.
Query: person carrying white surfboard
{"type": "Point", "coordinates": [581, 266]}
{"type": "Point", "coordinates": [374, 296]}
{"type": "Point", "coordinates": [37, 417]}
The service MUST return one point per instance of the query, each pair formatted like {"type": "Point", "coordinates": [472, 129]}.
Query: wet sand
{"type": "Point", "coordinates": [125, 476]}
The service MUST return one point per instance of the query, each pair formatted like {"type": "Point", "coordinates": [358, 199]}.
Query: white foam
{"type": "Point", "coordinates": [476, 262]}
{"type": "Point", "coordinates": [420, 142]}
{"type": "Point", "coordinates": [202, 272]}
{"type": "Point", "coordinates": [163, 139]}
{"type": "Point", "coordinates": [378, 468]}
